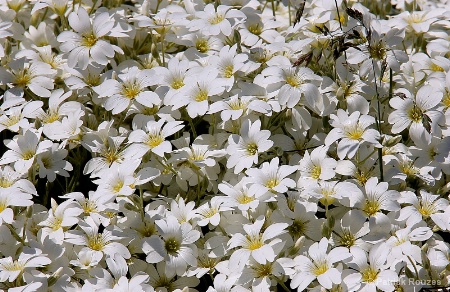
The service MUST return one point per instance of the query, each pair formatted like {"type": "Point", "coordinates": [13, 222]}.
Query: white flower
{"type": "Point", "coordinates": [176, 247]}
{"type": "Point", "coordinates": [352, 130]}
{"type": "Point", "coordinates": [130, 87]}
{"type": "Point", "coordinates": [86, 44]}
{"type": "Point", "coordinates": [293, 83]}
{"type": "Point", "coordinates": [245, 148]}
{"type": "Point", "coordinates": [214, 21]}
{"type": "Point", "coordinates": [317, 165]}
{"type": "Point", "coordinates": [271, 178]}
{"type": "Point", "coordinates": [255, 243]}
{"type": "Point", "coordinates": [10, 269]}
{"type": "Point", "coordinates": [370, 271]}
{"type": "Point", "coordinates": [416, 112]}
{"type": "Point", "coordinates": [318, 265]}
{"type": "Point", "coordinates": [153, 138]}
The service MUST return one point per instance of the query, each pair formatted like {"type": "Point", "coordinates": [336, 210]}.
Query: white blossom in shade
{"type": "Point", "coordinates": [130, 87]}
{"type": "Point", "coordinates": [239, 195]}
{"type": "Point", "coordinates": [23, 150]}
{"type": "Point", "coordinates": [401, 246]}
{"type": "Point", "coordinates": [245, 148]}
{"type": "Point", "coordinates": [12, 182]}
{"type": "Point", "coordinates": [369, 273]}
{"type": "Point", "coordinates": [420, 208]}
{"type": "Point", "coordinates": [29, 259]}
{"type": "Point", "coordinates": [213, 21]}
{"type": "Point", "coordinates": [318, 264]}
{"type": "Point", "coordinates": [235, 107]}
{"type": "Point", "coordinates": [51, 163]}
{"type": "Point", "coordinates": [293, 83]}
{"type": "Point", "coordinates": [376, 198]}
{"type": "Point", "coordinates": [328, 192]}
{"type": "Point", "coordinates": [271, 179]}
{"type": "Point", "coordinates": [209, 213]}
{"type": "Point", "coordinates": [23, 74]}
{"type": "Point", "coordinates": [351, 229]}
{"type": "Point", "coordinates": [160, 279]}
{"type": "Point", "coordinates": [183, 211]}
{"type": "Point", "coordinates": [414, 112]}
{"type": "Point", "coordinates": [176, 247]}
{"type": "Point", "coordinates": [61, 216]}
{"type": "Point", "coordinates": [121, 180]}
{"type": "Point", "coordinates": [86, 44]}
{"type": "Point", "coordinates": [16, 117]}
{"type": "Point", "coordinates": [352, 132]}
{"type": "Point", "coordinates": [301, 217]}
{"type": "Point", "coordinates": [10, 197]}
{"type": "Point", "coordinates": [91, 238]}
{"type": "Point", "coordinates": [442, 220]}
{"type": "Point", "coordinates": [153, 138]}
{"type": "Point", "coordinates": [87, 259]}
{"type": "Point", "coordinates": [317, 165]}
{"type": "Point", "coordinates": [255, 244]}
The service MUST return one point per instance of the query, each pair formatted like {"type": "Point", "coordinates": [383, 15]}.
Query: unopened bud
{"type": "Point", "coordinates": [54, 277]}
{"type": "Point", "coordinates": [29, 212]}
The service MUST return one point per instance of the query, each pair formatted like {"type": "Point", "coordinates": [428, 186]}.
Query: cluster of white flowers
{"type": "Point", "coordinates": [227, 145]}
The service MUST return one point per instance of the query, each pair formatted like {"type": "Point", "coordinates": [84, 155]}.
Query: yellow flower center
{"type": "Point", "coordinates": [369, 275]}
{"type": "Point", "coordinates": [201, 95]}
{"type": "Point", "coordinates": [154, 140]}
{"type": "Point", "coordinates": [92, 80]}
{"type": "Point", "coordinates": [271, 183]}
{"type": "Point", "coordinates": [216, 19]}
{"type": "Point", "coordinates": [254, 242]}
{"type": "Point", "coordinates": [117, 187]}
{"type": "Point", "coordinates": [97, 242]}
{"type": "Point", "coordinates": [262, 271]}
{"type": "Point", "coordinates": [11, 121]}
{"type": "Point", "coordinates": [172, 246]}
{"type": "Point", "coordinates": [293, 81]}
{"type": "Point", "coordinates": [3, 205]}
{"type": "Point", "coordinates": [22, 78]}
{"type": "Point", "coordinates": [50, 117]}
{"type": "Point", "coordinates": [320, 268]}
{"type": "Point", "coordinates": [202, 45]}
{"type": "Point", "coordinates": [378, 51]}
{"type": "Point", "coordinates": [255, 29]}
{"type": "Point", "coordinates": [362, 176]}
{"type": "Point", "coordinates": [371, 207]}
{"type": "Point", "coordinates": [47, 162]}
{"type": "Point", "coordinates": [5, 183]}
{"type": "Point", "coordinates": [228, 71]}
{"type": "Point", "coordinates": [89, 206]}
{"type": "Point", "coordinates": [28, 154]}
{"type": "Point", "coordinates": [177, 83]}
{"type": "Point", "coordinates": [354, 132]}
{"type": "Point", "coordinates": [415, 114]}
{"type": "Point", "coordinates": [148, 230]}
{"type": "Point", "coordinates": [426, 208]}
{"type": "Point", "coordinates": [446, 99]}
{"type": "Point", "coordinates": [252, 148]}
{"type": "Point", "coordinates": [210, 212]}
{"type": "Point", "coordinates": [316, 171]}
{"type": "Point", "coordinates": [88, 40]}
{"type": "Point", "coordinates": [298, 228]}
{"type": "Point", "coordinates": [436, 68]}
{"type": "Point", "coordinates": [207, 262]}
{"type": "Point", "coordinates": [131, 90]}
{"type": "Point", "coordinates": [244, 199]}
{"type": "Point", "coordinates": [111, 155]}
{"type": "Point", "coordinates": [408, 168]}
{"type": "Point", "coordinates": [328, 198]}
{"type": "Point", "coordinates": [347, 239]}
